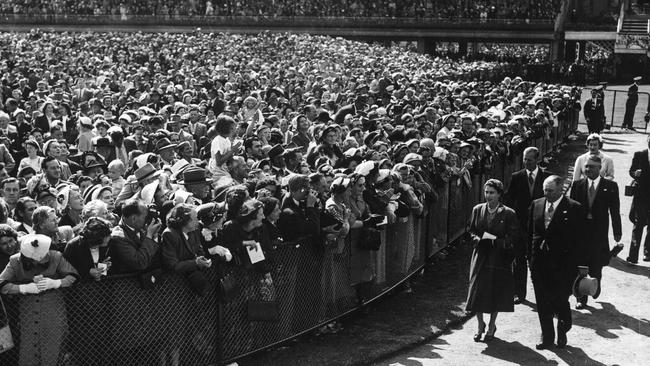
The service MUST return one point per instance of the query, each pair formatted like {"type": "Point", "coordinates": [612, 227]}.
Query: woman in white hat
{"type": "Point", "coordinates": [36, 274]}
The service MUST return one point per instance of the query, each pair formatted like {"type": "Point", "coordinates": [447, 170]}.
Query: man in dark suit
{"type": "Point", "coordinates": [299, 222]}
{"type": "Point", "coordinates": [594, 112]}
{"type": "Point", "coordinates": [630, 105]}
{"type": "Point", "coordinates": [137, 141]}
{"type": "Point", "coordinates": [600, 199]}
{"type": "Point", "coordinates": [353, 109]}
{"type": "Point", "coordinates": [640, 212]}
{"type": "Point", "coordinates": [132, 248]}
{"type": "Point", "coordinates": [525, 187]}
{"type": "Point", "coordinates": [555, 228]}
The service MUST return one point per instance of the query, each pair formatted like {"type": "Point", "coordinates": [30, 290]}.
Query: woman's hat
{"type": "Point", "coordinates": [210, 213]}
{"type": "Point", "coordinates": [583, 284]}
{"type": "Point", "coordinates": [63, 197]}
{"type": "Point", "coordinates": [250, 206]}
{"type": "Point", "coordinates": [44, 192]}
{"type": "Point", "coordinates": [35, 246]}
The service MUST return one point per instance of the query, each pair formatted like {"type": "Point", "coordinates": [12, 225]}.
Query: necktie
{"type": "Point", "coordinates": [591, 195]}
{"type": "Point", "coordinates": [549, 215]}
{"type": "Point", "coordinates": [531, 182]}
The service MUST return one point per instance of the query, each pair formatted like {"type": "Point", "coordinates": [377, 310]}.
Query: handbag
{"type": "Point", "coordinates": [6, 340]}
{"type": "Point", "coordinates": [227, 288]}
{"type": "Point", "coordinates": [630, 189]}
{"type": "Point", "coordinates": [263, 311]}
{"type": "Point", "coordinates": [370, 239]}
{"type": "Point", "coordinates": [266, 309]}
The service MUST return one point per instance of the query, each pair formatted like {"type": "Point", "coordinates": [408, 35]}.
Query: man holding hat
{"type": "Point", "coordinates": [600, 198]}
{"type": "Point", "coordinates": [630, 105]}
{"type": "Point", "coordinates": [555, 228]}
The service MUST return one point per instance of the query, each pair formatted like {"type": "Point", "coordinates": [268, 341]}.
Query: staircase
{"type": "Point", "coordinates": [634, 25]}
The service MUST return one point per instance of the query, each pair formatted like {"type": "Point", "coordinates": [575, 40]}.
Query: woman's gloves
{"type": "Point", "coordinates": [43, 284]}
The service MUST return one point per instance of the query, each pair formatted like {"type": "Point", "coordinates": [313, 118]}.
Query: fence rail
{"type": "Point", "coordinates": [616, 107]}
{"type": "Point", "coordinates": [116, 322]}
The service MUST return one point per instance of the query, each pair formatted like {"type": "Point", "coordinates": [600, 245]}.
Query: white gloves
{"type": "Point", "coordinates": [221, 251]}
{"type": "Point", "coordinates": [29, 289]}
{"type": "Point", "coordinates": [48, 284]}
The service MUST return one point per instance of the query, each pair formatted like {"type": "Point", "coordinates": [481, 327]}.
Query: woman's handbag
{"type": "Point", "coordinates": [630, 189]}
{"type": "Point", "coordinates": [6, 340]}
{"type": "Point", "coordinates": [227, 287]}
{"type": "Point", "coordinates": [370, 239]}
{"type": "Point", "coordinates": [266, 309]}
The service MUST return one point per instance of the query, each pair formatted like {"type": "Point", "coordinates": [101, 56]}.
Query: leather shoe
{"type": "Point", "coordinates": [646, 258]}
{"type": "Point", "coordinates": [543, 345]}
{"type": "Point", "coordinates": [518, 300]}
{"type": "Point", "coordinates": [631, 261]}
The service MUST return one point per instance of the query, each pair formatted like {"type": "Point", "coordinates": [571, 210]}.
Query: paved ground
{"type": "Point", "coordinates": [615, 330]}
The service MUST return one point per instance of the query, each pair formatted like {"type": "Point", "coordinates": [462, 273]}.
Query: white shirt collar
{"type": "Point", "coordinates": [595, 181]}
{"type": "Point", "coordinates": [534, 172]}
{"type": "Point", "coordinates": [555, 203]}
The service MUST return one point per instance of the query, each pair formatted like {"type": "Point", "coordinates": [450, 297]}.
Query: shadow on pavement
{"type": "Point", "coordinates": [427, 353]}
{"type": "Point", "coordinates": [515, 352]}
{"type": "Point", "coordinates": [626, 267]}
{"type": "Point", "coordinates": [604, 320]}
{"type": "Point", "coordinates": [618, 151]}
{"type": "Point", "coordinates": [575, 356]}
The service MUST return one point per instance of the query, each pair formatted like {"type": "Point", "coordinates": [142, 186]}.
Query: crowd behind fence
{"type": "Point", "coordinates": [118, 322]}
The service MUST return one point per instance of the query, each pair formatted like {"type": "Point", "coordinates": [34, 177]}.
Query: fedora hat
{"type": "Point", "coordinates": [193, 175]}
{"type": "Point", "coordinates": [583, 284]}
{"type": "Point", "coordinates": [163, 144]}
{"type": "Point", "coordinates": [147, 171]}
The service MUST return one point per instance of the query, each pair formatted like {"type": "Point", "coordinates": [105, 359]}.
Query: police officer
{"type": "Point", "coordinates": [630, 104]}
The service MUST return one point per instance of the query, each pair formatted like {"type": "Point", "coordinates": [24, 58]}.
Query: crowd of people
{"type": "Point", "coordinates": [483, 10]}
{"type": "Point", "coordinates": [124, 153]}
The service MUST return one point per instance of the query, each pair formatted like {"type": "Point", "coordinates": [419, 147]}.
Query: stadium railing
{"type": "Point", "coordinates": [293, 21]}
{"type": "Point", "coordinates": [117, 322]}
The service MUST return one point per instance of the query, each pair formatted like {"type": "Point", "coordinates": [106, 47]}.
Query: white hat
{"type": "Point", "coordinates": [35, 246]}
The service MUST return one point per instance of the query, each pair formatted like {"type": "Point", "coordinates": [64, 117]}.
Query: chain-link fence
{"type": "Point", "coordinates": [118, 322]}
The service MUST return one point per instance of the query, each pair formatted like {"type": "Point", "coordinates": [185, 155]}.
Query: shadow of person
{"type": "Point", "coordinates": [575, 356]}
{"type": "Point", "coordinates": [618, 151]}
{"type": "Point", "coordinates": [422, 355]}
{"type": "Point", "coordinates": [515, 352]}
{"type": "Point", "coordinates": [604, 320]}
{"type": "Point", "coordinates": [621, 265]}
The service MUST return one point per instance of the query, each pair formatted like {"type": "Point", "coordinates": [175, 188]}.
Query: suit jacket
{"type": "Point", "coordinates": [130, 253]}
{"type": "Point", "coordinates": [130, 144]}
{"type": "Point", "coordinates": [7, 159]}
{"type": "Point", "coordinates": [179, 254]}
{"type": "Point", "coordinates": [200, 129]}
{"type": "Point", "coordinates": [518, 195]}
{"type": "Point", "coordinates": [605, 203]}
{"type": "Point", "coordinates": [642, 196]}
{"type": "Point", "coordinates": [594, 112]}
{"type": "Point", "coordinates": [563, 237]}
{"type": "Point", "coordinates": [297, 222]}
{"type": "Point", "coordinates": [42, 123]}
{"type": "Point", "coordinates": [78, 254]}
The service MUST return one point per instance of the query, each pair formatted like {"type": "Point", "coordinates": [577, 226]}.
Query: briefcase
{"type": "Point", "coordinates": [630, 189]}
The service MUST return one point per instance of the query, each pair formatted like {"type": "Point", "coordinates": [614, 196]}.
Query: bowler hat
{"type": "Point", "coordinates": [583, 284]}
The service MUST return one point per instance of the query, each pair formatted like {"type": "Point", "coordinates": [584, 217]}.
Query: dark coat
{"type": "Point", "coordinates": [130, 253]}
{"type": "Point", "coordinates": [606, 203]}
{"type": "Point", "coordinates": [518, 194]}
{"type": "Point", "coordinates": [179, 254]}
{"type": "Point", "coordinates": [344, 111]}
{"type": "Point", "coordinates": [563, 237]}
{"type": "Point", "coordinates": [642, 196]}
{"type": "Point", "coordinates": [594, 113]}
{"type": "Point", "coordinates": [42, 123]}
{"type": "Point", "coordinates": [78, 254]}
{"type": "Point", "coordinates": [298, 223]}
{"type": "Point", "coordinates": [491, 283]}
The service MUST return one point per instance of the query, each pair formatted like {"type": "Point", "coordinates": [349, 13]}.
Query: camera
{"type": "Point", "coordinates": [152, 214]}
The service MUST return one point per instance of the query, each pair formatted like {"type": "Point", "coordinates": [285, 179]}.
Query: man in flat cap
{"type": "Point", "coordinates": [630, 105]}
